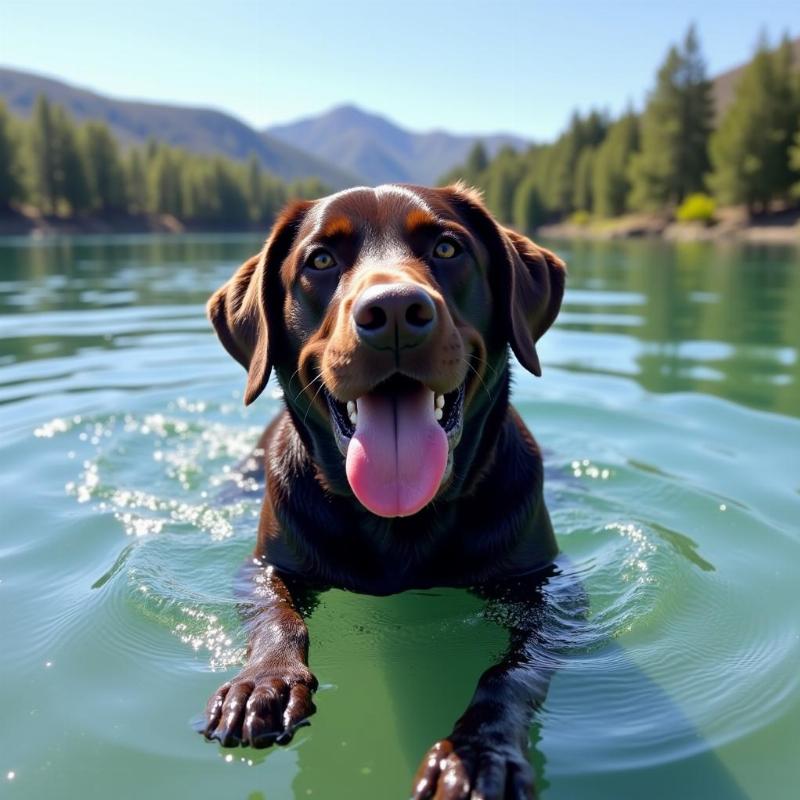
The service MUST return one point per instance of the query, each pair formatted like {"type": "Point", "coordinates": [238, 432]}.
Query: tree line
{"type": "Point", "coordinates": [672, 157]}
{"type": "Point", "coordinates": [60, 167]}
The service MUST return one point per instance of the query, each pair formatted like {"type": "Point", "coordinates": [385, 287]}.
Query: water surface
{"type": "Point", "coordinates": [668, 413]}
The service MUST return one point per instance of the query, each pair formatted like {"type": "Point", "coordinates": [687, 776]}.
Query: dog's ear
{"type": "Point", "coordinates": [527, 280]}
{"type": "Point", "coordinates": [535, 290]}
{"type": "Point", "coordinates": [239, 310]}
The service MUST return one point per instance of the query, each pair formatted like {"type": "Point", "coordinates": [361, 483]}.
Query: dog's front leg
{"type": "Point", "coordinates": [271, 697]}
{"type": "Point", "coordinates": [486, 754]}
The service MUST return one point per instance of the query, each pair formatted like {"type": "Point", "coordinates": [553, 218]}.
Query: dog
{"type": "Point", "coordinates": [397, 462]}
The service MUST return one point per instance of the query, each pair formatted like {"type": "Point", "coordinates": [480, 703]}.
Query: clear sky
{"type": "Point", "coordinates": [458, 64]}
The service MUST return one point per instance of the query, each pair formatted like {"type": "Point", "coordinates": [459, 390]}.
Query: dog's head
{"type": "Point", "coordinates": [387, 314]}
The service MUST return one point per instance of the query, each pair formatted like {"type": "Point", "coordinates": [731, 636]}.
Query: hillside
{"type": "Point", "coordinates": [380, 150]}
{"type": "Point", "coordinates": [198, 129]}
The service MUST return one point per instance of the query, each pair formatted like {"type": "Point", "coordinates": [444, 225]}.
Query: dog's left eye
{"type": "Point", "coordinates": [446, 248]}
{"type": "Point", "coordinates": [322, 259]}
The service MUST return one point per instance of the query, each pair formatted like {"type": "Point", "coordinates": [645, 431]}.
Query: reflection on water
{"type": "Point", "coordinates": [674, 495]}
{"type": "Point", "coordinates": [716, 319]}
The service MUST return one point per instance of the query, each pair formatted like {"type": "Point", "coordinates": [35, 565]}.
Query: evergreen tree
{"type": "Point", "coordinates": [136, 182]}
{"type": "Point", "coordinates": [11, 188]}
{"type": "Point", "coordinates": [502, 178]}
{"type": "Point", "coordinates": [256, 189]}
{"type": "Point", "coordinates": [165, 184]}
{"type": "Point", "coordinates": [472, 171]}
{"type": "Point", "coordinates": [104, 169]}
{"type": "Point", "coordinates": [750, 149]}
{"type": "Point", "coordinates": [559, 173]}
{"type": "Point", "coordinates": [610, 182]}
{"type": "Point", "coordinates": [43, 157]}
{"type": "Point", "coordinates": [583, 189]}
{"type": "Point", "coordinates": [476, 163]}
{"type": "Point", "coordinates": [70, 180]}
{"type": "Point", "coordinates": [794, 161]}
{"type": "Point", "coordinates": [529, 210]}
{"type": "Point", "coordinates": [230, 194]}
{"type": "Point", "coordinates": [675, 128]}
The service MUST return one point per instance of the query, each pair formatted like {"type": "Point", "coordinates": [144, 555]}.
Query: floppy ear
{"type": "Point", "coordinates": [528, 279]}
{"type": "Point", "coordinates": [239, 309]}
{"type": "Point", "coordinates": [535, 290]}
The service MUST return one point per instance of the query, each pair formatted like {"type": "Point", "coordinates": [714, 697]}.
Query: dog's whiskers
{"type": "Point", "coordinates": [310, 383]}
{"type": "Point", "coordinates": [289, 383]}
{"type": "Point", "coordinates": [478, 375]}
{"type": "Point", "coordinates": [321, 387]}
{"type": "Point", "coordinates": [484, 362]}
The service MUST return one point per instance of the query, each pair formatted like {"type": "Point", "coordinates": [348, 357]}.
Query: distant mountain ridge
{"type": "Point", "coordinates": [201, 130]}
{"type": "Point", "coordinates": [380, 150]}
{"type": "Point", "coordinates": [343, 147]}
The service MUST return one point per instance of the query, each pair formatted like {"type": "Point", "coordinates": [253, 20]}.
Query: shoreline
{"type": "Point", "coordinates": [731, 225]}
{"type": "Point", "coordinates": [782, 228]}
{"type": "Point", "coordinates": [35, 227]}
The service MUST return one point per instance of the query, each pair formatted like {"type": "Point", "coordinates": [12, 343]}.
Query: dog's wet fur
{"type": "Point", "coordinates": [384, 299]}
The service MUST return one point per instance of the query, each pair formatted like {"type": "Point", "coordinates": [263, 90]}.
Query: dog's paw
{"type": "Point", "coordinates": [471, 769]}
{"type": "Point", "coordinates": [260, 707]}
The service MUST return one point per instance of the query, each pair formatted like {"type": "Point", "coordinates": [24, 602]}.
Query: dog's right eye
{"type": "Point", "coordinates": [321, 260]}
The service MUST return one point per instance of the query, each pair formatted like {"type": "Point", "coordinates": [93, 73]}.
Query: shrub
{"type": "Point", "coordinates": [581, 218]}
{"type": "Point", "coordinates": [697, 208]}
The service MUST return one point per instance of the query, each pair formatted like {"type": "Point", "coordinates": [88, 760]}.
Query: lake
{"type": "Point", "coordinates": [669, 415]}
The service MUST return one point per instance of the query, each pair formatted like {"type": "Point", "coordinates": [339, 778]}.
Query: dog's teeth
{"type": "Point", "coordinates": [351, 407]}
{"type": "Point", "coordinates": [439, 401]}
{"type": "Point", "coordinates": [354, 417]}
{"type": "Point", "coordinates": [438, 413]}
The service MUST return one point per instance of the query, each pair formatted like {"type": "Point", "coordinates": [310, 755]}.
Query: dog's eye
{"type": "Point", "coordinates": [322, 259]}
{"type": "Point", "coordinates": [446, 248]}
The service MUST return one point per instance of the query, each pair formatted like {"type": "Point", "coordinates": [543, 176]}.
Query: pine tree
{"type": "Point", "coordinates": [610, 182]}
{"type": "Point", "coordinates": [583, 188]}
{"type": "Point", "coordinates": [165, 184]}
{"type": "Point", "coordinates": [71, 181]}
{"type": "Point", "coordinates": [794, 162]}
{"type": "Point", "coordinates": [44, 157]}
{"type": "Point", "coordinates": [750, 149]}
{"type": "Point", "coordinates": [136, 182]}
{"type": "Point", "coordinates": [104, 169]}
{"type": "Point", "coordinates": [502, 178]}
{"type": "Point", "coordinates": [529, 210]}
{"type": "Point", "coordinates": [472, 171]}
{"type": "Point", "coordinates": [256, 190]}
{"type": "Point", "coordinates": [675, 128]}
{"type": "Point", "coordinates": [476, 163]}
{"type": "Point", "coordinates": [11, 188]}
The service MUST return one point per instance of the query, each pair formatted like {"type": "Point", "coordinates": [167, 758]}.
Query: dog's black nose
{"type": "Point", "coordinates": [392, 316]}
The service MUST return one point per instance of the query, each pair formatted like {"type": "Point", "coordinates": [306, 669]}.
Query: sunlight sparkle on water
{"type": "Point", "coordinates": [585, 467]}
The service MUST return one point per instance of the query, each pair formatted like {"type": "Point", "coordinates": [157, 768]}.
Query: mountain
{"type": "Point", "coordinates": [201, 130]}
{"type": "Point", "coordinates": [381, 151]}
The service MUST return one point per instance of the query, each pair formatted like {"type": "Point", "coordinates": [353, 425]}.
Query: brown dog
{"type": "Point", "coordinates": [398, 462]}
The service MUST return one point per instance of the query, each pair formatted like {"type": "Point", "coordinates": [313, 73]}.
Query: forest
{"type": "Point", "coordinates": [678, 156]}
{"type": "Point", "coordinates": [57, 167]}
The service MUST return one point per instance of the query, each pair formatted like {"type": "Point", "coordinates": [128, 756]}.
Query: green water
{"type": "Point", "coordinates": [668, 412]}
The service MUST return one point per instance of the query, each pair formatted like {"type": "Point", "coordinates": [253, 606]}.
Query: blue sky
{"type": "Point", "coordinates": [461, 65]}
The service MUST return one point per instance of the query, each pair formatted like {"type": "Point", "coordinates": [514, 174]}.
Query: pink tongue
{"type": "Point", "coordinates": [397, 456]}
